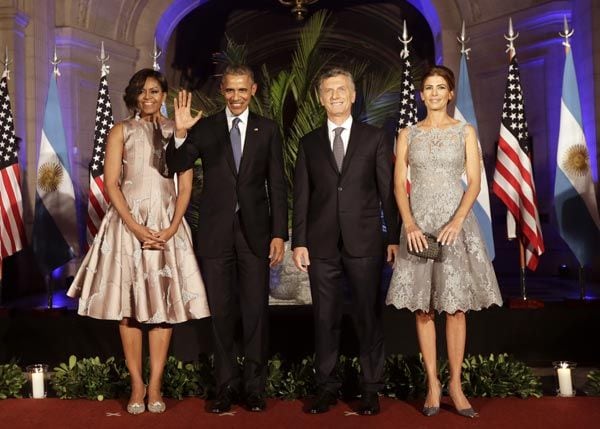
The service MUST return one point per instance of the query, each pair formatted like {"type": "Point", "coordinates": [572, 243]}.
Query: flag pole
{"type": "Point", "coordinates": [522, 270]}
{"type": "Point", "coordinates": [6, 63]}
{"type": "Point", "coordinates": [49, 291]}
{"type": "Point", "coordinates": [581, 278]}
{"type": "Point", "coordinates": [405, 40]}
{"type": "Point", "coordinates": [510, 49]}
{"type": "Point", "coordinates": [566, 34]}
{"type": "Point", "coordinates": [463, 40]}
{"type": "Point", "coordinates": [48, 277]}
{"type": "Point", "coordinates": [0, 281]}
{"type": "Point", "coordinates": [6, 71]}
{"type": "Point", "coordinates": [103, 58]}
{"type": "Point", "coordinates": [156, 52]}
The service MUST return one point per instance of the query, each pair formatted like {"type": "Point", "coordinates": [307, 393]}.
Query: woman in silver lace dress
{"type": "Point", "coordinates": [141, 267]}
{"type": "Point", "coordinates": [438, 150]}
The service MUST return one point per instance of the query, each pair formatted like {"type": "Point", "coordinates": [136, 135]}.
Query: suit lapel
{"type": "Point", "coordinates": [250, 142]}
{"type": "Point", "coordinates": [222, 131]}
{"type": "Point", "coordinates": [352, 145]}
{"type": "Point", "coordinates": [326, 145]}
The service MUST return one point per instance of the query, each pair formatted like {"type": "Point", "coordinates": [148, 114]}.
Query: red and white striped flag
{"type": "Point", "coordinates": [98, 200]}
{"type": "Point", "coordinates": [12, 230]}
{"type": "Point", "coordinates": [513, 177]}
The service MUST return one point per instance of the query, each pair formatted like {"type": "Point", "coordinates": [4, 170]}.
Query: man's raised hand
{"type": "Point", "coordinates": [182, 105]}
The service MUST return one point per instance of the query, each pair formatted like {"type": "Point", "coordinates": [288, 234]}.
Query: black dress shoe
{"type": "Point", "coordinates": [256, 402]}
{"type": "Point", "coordinates": [226, 397]}
{"type": "Point", "coordinates": [369, 404]}
{"type": "Point", "coordinates": [322, 402]}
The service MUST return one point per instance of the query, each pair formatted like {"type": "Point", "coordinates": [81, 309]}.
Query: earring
{"type": "Point", "coordinates": [137, 115]}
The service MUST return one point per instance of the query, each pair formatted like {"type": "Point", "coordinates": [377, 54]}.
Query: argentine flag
{"type": "Point", "coordinates": [464, 112]}
{"type": "Point", "coordinates": [574, 195]}
{"type": "Point", "coordinates": [55, 223]}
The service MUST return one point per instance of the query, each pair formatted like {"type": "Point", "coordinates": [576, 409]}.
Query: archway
{"type": "Point", "coordinates": [167, 17]}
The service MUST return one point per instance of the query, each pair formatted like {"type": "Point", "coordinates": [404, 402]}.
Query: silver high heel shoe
{"type": "Point", "coordinates": [468, 412]}
{"type": "Point", "coordinates": [157, 407]}
{"type": "Point", "coordinates": [137, 407]}
{"type": "Point", "coordinates": [432, 411]}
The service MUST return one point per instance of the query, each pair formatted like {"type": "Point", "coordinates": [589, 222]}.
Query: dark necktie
{"type": "Point", "coordinates": [236, 142]}
{"type": "Point", "coordinates": [338, 147]}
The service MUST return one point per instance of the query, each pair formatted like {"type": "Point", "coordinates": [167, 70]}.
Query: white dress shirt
{"type": "Point", "coordinates": [242, 125]}
{"type": "Point", "coordinates": [346, 125]}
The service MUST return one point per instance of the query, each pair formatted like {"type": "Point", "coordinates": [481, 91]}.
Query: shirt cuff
{"type": "Point", "coordinates": [179, 141]}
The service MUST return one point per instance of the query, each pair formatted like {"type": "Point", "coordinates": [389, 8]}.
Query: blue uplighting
{"type": "Point", "coordinates": [171, 17]}
{"type": "Point", "coordinates": [428, 10]}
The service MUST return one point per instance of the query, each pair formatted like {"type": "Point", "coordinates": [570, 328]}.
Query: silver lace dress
{"type": "Point", "coordinates": [464, 279]}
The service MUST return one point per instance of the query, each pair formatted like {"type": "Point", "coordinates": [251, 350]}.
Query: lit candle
{"type": "Point", "coordinates": [37, 385]}
{"type": "Point", "coordinates": [565, 385]}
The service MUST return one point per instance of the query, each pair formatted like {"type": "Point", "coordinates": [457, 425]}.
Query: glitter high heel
{"type": "Point", "coordinates": [432, 411]}
{"type": "Point", "coordinates": [137, 407]}
{"type": "Point", "coordinates": [468, 412]}
{"type": "Point", "coordinates": [157, 407]}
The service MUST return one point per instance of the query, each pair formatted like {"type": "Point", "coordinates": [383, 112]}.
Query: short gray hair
{"type": "Point", "coordinates": [333, 72]}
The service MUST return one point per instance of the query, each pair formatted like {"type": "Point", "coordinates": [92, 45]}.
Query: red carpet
{"type": "Point", "coordinates": [511, 413]}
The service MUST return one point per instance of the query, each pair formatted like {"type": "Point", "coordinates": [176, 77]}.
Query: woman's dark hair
{"type": "Point", "coordinates": [441, 71]}
{"type": "Point", "coordinates": [136, 84]}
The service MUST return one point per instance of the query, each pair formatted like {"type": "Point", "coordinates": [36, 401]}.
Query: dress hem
{"type": "Point", "coordinates": [144, 322]}
{"type": "Point", "coordinates": [442, 310]}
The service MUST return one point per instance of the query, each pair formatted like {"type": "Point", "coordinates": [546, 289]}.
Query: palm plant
{"type": "Point", "coordinates": [290, 98]}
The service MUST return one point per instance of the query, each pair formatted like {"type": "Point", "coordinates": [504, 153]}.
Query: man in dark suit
{"type": "Point", "coordinates": [242, 226]}
{"type": "Point", "coordinates": [343, 178]}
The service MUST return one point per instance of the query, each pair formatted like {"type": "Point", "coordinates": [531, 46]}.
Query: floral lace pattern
{"type": "Point", "coordinates": [118, 278]}
{"type": "Point", "coordinates": [464, 279]}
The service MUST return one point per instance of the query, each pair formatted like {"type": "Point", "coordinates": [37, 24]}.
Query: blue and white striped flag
{"type": "Point", "coordinates": [574, 195]}
{"type": "Point", "coordinates": [465, 112]}
{"type": "Point", "coordinates": [55, 223]}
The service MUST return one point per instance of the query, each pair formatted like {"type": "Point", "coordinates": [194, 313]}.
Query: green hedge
{"type": "Point", "coordinates": [404, 378]}
{"type": "Point", "coordinates": [592, 385]}
{"type": "Point", "coordinates": [12, 380]}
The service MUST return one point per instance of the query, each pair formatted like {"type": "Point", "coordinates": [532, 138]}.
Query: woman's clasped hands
{"type": "Point", "coordinates": [151, 239]}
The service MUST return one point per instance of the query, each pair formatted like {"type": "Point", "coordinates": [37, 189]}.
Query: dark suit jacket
{"type": "Point", "coordinates": [327, 203]}
{"type": "Point", "coordinates": [259, 187]}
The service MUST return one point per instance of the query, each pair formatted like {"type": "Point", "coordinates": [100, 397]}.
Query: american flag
{"type": "Point", "coordinates": [98, 200]}
{"type": "Point", "coordinates": [408, 104]}
{"type": "Point", "coordinates": [12, 230]}
{"type": "Point", "coordinates": [513, 177]}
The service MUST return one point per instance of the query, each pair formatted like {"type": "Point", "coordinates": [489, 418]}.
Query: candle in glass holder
{"type": "Point", "coordinates": [37, 385]}
{"type": "Point", "coordinates": [37, 374]}
{"type": "Point", "coordinates": [565, 384]}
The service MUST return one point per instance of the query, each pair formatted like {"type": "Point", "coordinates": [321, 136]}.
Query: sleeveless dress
{"type": "Point", "coordinates": [464, 279]}
{"type": "Point", "coordinates": [118, 278]}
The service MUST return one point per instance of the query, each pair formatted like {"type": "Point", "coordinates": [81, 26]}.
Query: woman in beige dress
{"type": "Point", "coordinates": [141, 268]}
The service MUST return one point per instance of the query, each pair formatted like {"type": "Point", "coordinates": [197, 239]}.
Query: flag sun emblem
{"type": "Point", "coordinates": [50, 174]}
{"type": "Point", "coordinates": [576, 161]}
